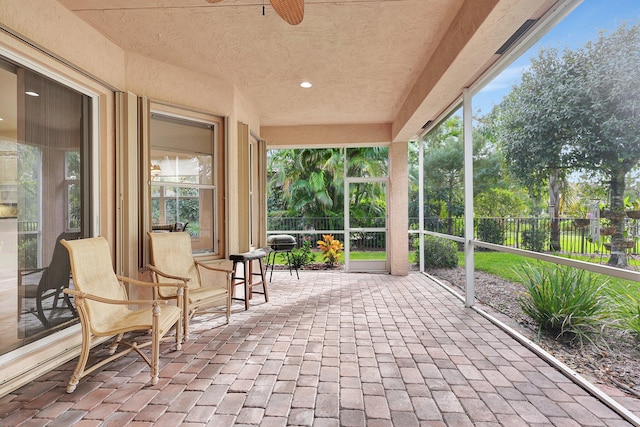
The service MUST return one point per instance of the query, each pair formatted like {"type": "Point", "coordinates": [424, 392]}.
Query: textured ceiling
{"type": "Point", "coordinates": [363, 57]}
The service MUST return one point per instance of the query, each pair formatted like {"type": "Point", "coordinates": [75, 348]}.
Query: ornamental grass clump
{"type": "Point", "coordinates": [568, 303]}
{"type": "Point", "coordinates": [626, 310]}
{"type": "Point", "coordinates": [331, 249]}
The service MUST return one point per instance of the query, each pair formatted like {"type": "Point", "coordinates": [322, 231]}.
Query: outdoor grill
{"type": "Point", "coordinates": [281, 243]}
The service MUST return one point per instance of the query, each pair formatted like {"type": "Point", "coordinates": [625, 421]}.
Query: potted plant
{"type": "Point", "coordinates": [607, 229]}
{"type": "Point", "coordinates": [580, 214]}
{"type": "Point", "coordinates": [612, 214]}
{"type": "Point", "coordinates": [632, 209]}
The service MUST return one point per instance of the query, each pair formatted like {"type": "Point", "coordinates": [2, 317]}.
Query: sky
{"type": "Point", "coordinates": [584, 23]}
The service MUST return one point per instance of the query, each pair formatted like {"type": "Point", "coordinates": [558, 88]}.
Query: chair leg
{"type": "Point", "coordinates": [273, 262]}
{"type": "Point", "coordinates": [114, 345]}
{"type": "Point", "coordinates": [82, 360]}
{"type": "Point", "coordinates": [155, 347]}
{"type": "Point", "coordinates": [179, 324]}
{"type": "Point", "coordinates": [230, 288]}
{"type": "Point", "coordinates": [185, 316]}
{"type": "Point", "coordinates": [235, 281]}
{"type": "Point", "coordinates": [233, 278]}
{"type": "Point", "coordinates": [247, 289]}
{"type": "Point", "coordinates": [40, 309]}
{"type": "Point", "coordinates": [264, 280]}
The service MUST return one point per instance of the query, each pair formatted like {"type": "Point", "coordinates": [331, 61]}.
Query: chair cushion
{"type": "Point", "coordinates": [205, 293]}
{"type": "Point", "coordinates": [136, 320]}
{"type": "Point", "coordinates": [247, 256]}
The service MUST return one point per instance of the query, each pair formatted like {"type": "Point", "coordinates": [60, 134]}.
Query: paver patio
{"type": "Point", "coordinates": [330, 349]}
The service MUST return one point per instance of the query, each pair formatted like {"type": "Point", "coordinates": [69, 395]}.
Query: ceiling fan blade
{"type": "Point", "coordinates": [292, 11]}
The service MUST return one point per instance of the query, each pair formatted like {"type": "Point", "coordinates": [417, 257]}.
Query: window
{"type": "Point", "coordinates": [186, 176]}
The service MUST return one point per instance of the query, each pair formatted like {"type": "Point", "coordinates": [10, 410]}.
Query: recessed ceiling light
{"type": "Point", "coordinates": [31, 93]}
{"type": "Point", "coordinates": [1, 119]}
{"type": "Point", "coordinates": [305, 85]}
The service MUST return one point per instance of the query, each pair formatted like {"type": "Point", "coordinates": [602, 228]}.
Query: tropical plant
{"type": "Point", "coordinates": [628, 204]}
{"type": "Point", "coordinates": [566, 302]}
{"type": "Point", "coordinates": [309, 182]}
{"type": "Point", "coordinates": [331, 249]}
{"type": "Point", "coordinates": [306, 182]}
{"type": "Point", "coordinates": [299, 256]}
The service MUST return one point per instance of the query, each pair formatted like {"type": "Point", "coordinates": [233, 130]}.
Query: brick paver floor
{"type": "Point", "coordinates": [329, 349]}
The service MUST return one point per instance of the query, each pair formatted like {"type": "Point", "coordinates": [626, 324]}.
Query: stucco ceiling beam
{"type": "Point", "coordinates": [320, 136]}
{"type": "Point", "coordinates": [467, 49]}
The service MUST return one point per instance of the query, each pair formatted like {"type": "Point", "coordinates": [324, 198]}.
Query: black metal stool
{"type": "Point", "coordinates": [248, 274]}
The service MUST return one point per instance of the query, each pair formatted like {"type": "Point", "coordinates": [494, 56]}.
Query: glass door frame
{"type": "Point", "coordinates": [363, 266]}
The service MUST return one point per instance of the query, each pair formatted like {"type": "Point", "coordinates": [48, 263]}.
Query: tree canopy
{"type": "Point", "coordinates": [577, 111]}
{"type": "Point", "coordinates": [310, 182]}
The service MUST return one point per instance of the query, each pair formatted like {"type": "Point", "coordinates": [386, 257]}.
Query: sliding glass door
{"type": "Point", "coordinates": [45, 145]}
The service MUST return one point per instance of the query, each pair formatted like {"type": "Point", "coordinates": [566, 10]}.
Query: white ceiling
{"type": "Point", "coordinates": [370, 61]}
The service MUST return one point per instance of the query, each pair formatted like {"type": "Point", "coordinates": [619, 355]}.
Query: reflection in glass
{"type": "Point", "coordinates": [182, 195]}
{"type": "Point", "coordinates": [41, 199]}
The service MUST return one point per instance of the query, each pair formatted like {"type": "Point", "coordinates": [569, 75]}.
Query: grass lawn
{"type": "Point", "coordinates": [369, 256]}
{"type": "Point", "coordinates": [508, 265]}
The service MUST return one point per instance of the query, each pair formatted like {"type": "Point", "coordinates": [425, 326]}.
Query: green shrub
{"type": "Point", "coordinates": [491, 230]}
{"type": "Point", "coordinates": [300, 257]}
{"type": "Point", "coordinates": [535, 239]}
{"type": "Point", "coordinates": [438, 252]}
{"type": "Point", "coordinates": [567, 303]}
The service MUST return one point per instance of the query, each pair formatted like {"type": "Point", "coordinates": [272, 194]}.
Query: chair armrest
{"type": "Point", "coordinates": [214, 267]}
{"type": "Point", "coordinates": [78, 294]}
{"type": "Point", "coordinates": [168, 276]}
{"type": "Point", "coordinates": [151, 284]}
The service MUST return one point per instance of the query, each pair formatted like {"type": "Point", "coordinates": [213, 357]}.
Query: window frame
{"type": "Point", "coordinates": [218, 153]}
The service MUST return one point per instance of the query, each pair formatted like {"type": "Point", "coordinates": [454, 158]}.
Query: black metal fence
{"type": "Point", "coordinates": [524, 233]}
{"type": "Point", "coordinates": [312, 229]}
{"type": "Point", "coordinates": [572, 235]}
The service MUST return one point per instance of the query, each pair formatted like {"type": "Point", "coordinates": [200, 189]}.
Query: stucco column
{"type": "Point", "coordinates": [398, 209]}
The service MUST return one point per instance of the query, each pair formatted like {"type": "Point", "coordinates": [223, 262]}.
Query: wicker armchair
{"type": "Point", "coordinates": [172, 259]}
{"type": "Point", "coordinates": [103, 306]}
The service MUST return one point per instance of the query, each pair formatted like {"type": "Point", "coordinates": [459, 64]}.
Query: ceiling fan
{"type": "Point", "coordinates": [292, 11]}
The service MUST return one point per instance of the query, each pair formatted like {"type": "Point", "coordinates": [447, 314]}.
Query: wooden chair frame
{"type": "Point", "coordinates": [197, 295]}
{"type": "Point", "coordinates": [122, 320]}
